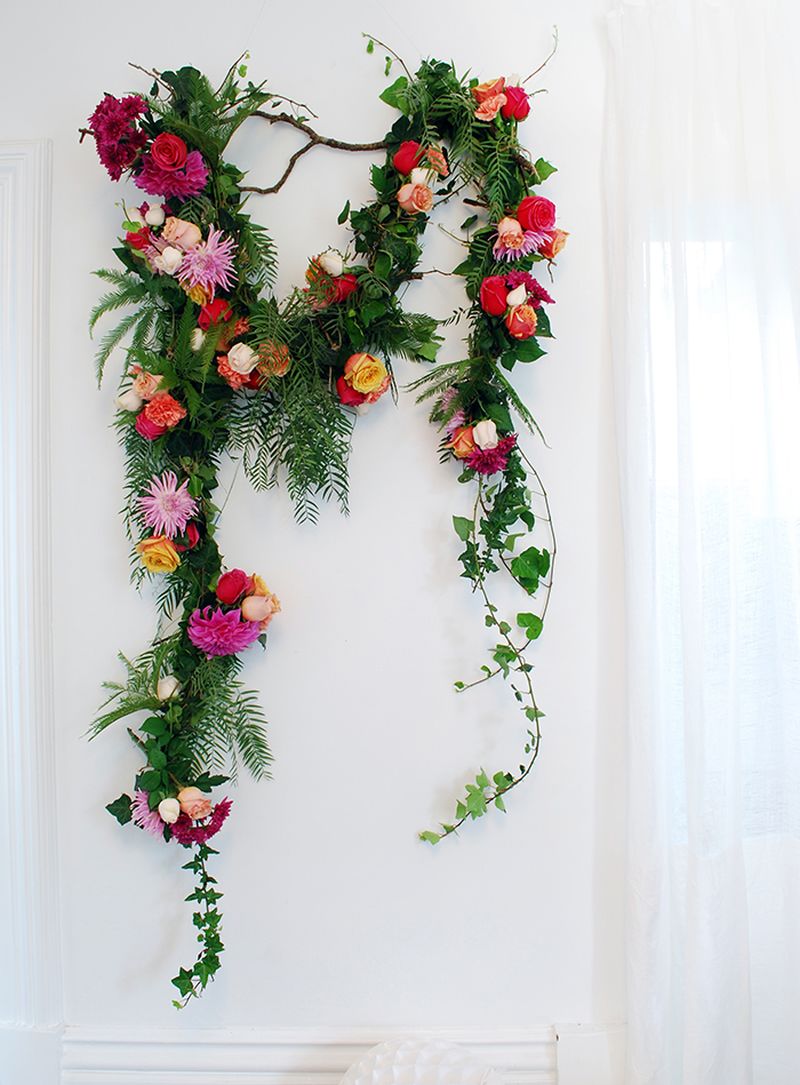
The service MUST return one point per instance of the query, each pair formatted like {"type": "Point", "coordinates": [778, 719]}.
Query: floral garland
{"type": "Point", "coordinates": [215, 365]}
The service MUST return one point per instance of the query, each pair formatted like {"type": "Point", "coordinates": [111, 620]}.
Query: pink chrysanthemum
{"type": "Point", "coordinates": [144, 817]}
{"type": "Point", "coordinates": [487, 461]}
{"type": "Point", "coordinates": [118, 140]}
{"type": "Point", "coordinates": [188, 832]}
{"type": "Point", "coordinates": [536, 292]}
{"type": "Point", "coordinates": [456, 420]}
{"type": "Point", "coordinates": [221, 633]}
{"type": "Point", "coordinates": [190, 179]}
{"type": "Point", "coordinates": [167, 507]}
{"type": "Point", "coordinates": [209, 264]}
{"type": "Point", "coordinates": [530, 243]}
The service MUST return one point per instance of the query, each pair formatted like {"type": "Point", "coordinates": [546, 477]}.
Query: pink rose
{"type": "Point", "coordinates": [517, 107]}
{"type": "Point", "coordinates": [537, 213]}
{"type": "Point", "coordinates": [148, 429]}
{"type": "Point", "coordinates": [180, 232]}
{"type": "Point", "coordinates": [415, 198]}
{"type": "Point", "coordinates": [168, 151]}
{"type": "Point", "coordinates": [510, 233]}
{"type": "Point", "coordinates": [146, 384]}
{"type": "Point", "coordinates": [194, 803]}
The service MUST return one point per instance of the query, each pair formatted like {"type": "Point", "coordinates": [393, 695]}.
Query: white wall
{"type": "Point", "coordinates": [335, 914]}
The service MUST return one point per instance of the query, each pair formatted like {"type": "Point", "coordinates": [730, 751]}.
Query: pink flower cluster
{"type": "Point", "coordinates": [186, 181]}
{"type": "Point", "coordinates": [218, 631]}
{"type": "Point", "coordinates": [487, 461]}
{"type": "Point", "coordinates": [188, 832]}
{"type": "Point", "coordinates": [117, 136]}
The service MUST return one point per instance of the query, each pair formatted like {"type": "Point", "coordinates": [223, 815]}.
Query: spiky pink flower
{"type": "Point", "coordinates": [219, 632]}
{"type": "Point", "coordinates": [190, 179]}
{"type": "Point", "coordinates": [455, 421]}
{"type": "Point", "coordinates": [487, 461]}
{"type": "Point", "coordinates": [144, 817]}
{"type": "Point", "coordinates": [188, 832]}
{"type": "Point", "coordinates": [209, 264]}
{"type": "Point", "coordinates": [167, 507]}
{"type": "Point", "coordinates": [536, 292]}
{"type": "Point", "coordinates": [530, 242]}
{"type": "Point", "coordinates": [117, 137]}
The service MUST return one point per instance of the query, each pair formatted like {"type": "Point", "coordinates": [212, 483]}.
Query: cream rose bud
{"type": "Point", "coordinates": [518, 296]}
{"type": "Point", "coordinates": [255, 608]}
{"type": "Point", "coordinates": [242, 359]}
{"type": "Point", "coordinates": [129, 401]}
{"type": "Point", "coordinates": [484, 434]}
{"type": "Point", "coordinates": [169, 810]}
{"type": "Point", "coordinates": [169, 260]}
{"type": "Point", "coordinates": [167, 687]}
{"type": "Point", "coordinates": [133, 214]}
{"type": "Point", "coordinates": [155, 216]}
{"type": "Point", "coordinates": [197, 340]}
{"type": "Point", "coordinates": [332, 263]}
{"type": "Point", "coordinates": [420, 176]}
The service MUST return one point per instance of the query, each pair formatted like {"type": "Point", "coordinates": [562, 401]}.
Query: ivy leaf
{"type": "Point", "coordinates": [121, 809]}
{"type": "Point", "coordinates": [430, 837]}
{"type": "Point", "coordinates": [395, 95]}
{"type": "Point", "coordinates": [463, 527]}
{"type": "Point", "coordinates": [544, 168]}
{"type": "Point", "coordinates": [531, 623]}
{"type": "Point", "coordinates": [343, 214]}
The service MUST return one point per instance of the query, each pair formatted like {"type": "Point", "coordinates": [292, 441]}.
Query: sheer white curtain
{"type": "Point", "coordinates": [703, 184]}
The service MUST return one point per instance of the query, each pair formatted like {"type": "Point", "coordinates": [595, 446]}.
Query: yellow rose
{"type": "Point", "coordinates": [365, 373]}
{"type": "Point", "coordinates": [158, 554]}
{"type": "Point", "coordinates": [198, 294]}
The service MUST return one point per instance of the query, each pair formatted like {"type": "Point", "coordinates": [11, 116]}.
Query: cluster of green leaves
{"type": "Point", "coordinates": [191, 982]}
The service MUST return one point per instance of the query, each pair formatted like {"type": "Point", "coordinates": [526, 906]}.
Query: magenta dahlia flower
{"type": "Point", "coordinates": [144, 817]}
{"type": "Point", "coordinates": [487, 461]}
{"type": "Point", "coordinates": [167, 507]}
{"type": "Point", "coordinates": [188, 832]}
{"type": "Point", "coordinates": [220, 632]}
{"type": "Point", "coordinates": [536, 292]}
{"type": "Point", "coordinates": [187, 181]}
{"type": "Point", "coordinates": [209, 264]}
{"type": "Point", "coordinates": [117, 137]}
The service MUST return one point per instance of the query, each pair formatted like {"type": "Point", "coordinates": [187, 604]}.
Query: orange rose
{"type": "Point", "coordinates": [462, 443]}
{"type": "Point", "coordinates": [194, 803]}
{"type": "Point", "coordinates": [521, 321]}
{"type": "Point", "coordinates": [437, 161]}
{"type": "Point", "coordinates": [490, 89]}
{"type": "Point", "coordinates": [200, 295]}
{"type": "Point", "coordinates": [164, 410]}
{"type": "Point", "coordinates": [554, 244]}
{"type": "Point", "coordinates": [415, 198]}
{"type": "Point", "coordinates": [274, 359]}
{"type": "Point", "coordinates": [366, 375]}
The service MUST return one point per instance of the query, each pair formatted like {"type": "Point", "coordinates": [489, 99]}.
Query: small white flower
{"type": "Point", "coordinates": [169, 260]}
{"type": "Point", "coordinates": [169, 810]}
{"type": "Point", "coordinates": [129, 401]}
{"type": "Point", "coordinates": [242, 359]}
{"type": "Point", "coordinates": [420, 176]}
{"type": "Point", "coordinates": [155, 215]}
{"type": "Point", "coordinates": [362, 408]}
{"type": "Point", "coordinates": [332, 263]}
{"type": "Point", "coordinates": [197, 340]}
{"type": "Point", "coordinates": [518, 296]}
{"type": "Point", "coordinates": [484, 434]}
{"type": "Point", "coordinates": [168, 686]}
{"type": "Point", "coordinates": [133, 214]}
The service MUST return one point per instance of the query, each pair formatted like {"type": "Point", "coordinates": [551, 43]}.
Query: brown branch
{"type": "Point", "coordinates": [547, 59]}
{"type": "Point", "coordinates": [391, 51]}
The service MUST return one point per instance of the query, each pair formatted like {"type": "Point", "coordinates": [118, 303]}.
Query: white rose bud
{"type": "Point", "coordinates": [518, 296]}
{"type": "Point", "coordinates": [169, 810]}
{"type": "Point", "coordinates": [197, 340]}
{"type": "Point", "coordinates": [332, 263]}
{"type": "Point", "coordinates": [155, 216]}
{"type": "Point", "coordinates": [133, 214]}
{"type": "Point", "coordinates": [362, 408]}
{"type": "Point", "coordinates": [167, 687]}
{"type": "Point", "coordinates": [169, 260]}
{"type": "Point", "coordinates": [242, 359]}
{"type": "Point", "coordinates": [129, 401]}
{"type": "Point", "coordinates": [484, 434]}
{"type": "Point", "coordinates": [420, 176]}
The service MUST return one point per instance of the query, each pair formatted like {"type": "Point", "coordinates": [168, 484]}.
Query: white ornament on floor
{"type": "Point", "coordinates": [420, 1062]}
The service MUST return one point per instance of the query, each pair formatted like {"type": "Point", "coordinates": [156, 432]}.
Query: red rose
{"type": "Point", "coordinates": [192, 534]}
{"type": "Point", "coordinates": [345, 285]}
{"type": "Point", "coordinates": [216, 312]}
{"type": "Point", "coordinates": [147, 428]}
{"type": "Point", "coordinates": [536, 213]}
{"type": "Point", "coordinates": [254, 380]}
{"type": "Point", "coordinates": [138, 239]}
{"type": "Point", "coordinates": [168, 151]}
{"type": "Point", "coordinates": [232, 586]}
{"type": "Point", "coordinates": [494, 295]}
{"type": "Point", "coordinates": [407, 156]}
{"type": "Point", "coordinates": [521, 321]}
{"type": "Point", "coordinates": [348, 396]}
{"type": "Point", "coordinates": [517, 105]}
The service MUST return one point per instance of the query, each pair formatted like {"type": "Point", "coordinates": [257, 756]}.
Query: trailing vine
{"type": "Point", "coordinates": [216, 365]}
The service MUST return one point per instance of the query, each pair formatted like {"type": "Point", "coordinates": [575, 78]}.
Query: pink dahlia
{"type": "Point", "coordinates": [536, 292]}
{"type": "Point", "coordinates": [118, 139]}
{"type": "Point", "coordinates": [219, 632]}
{"type": "Point", "coordinates": [187, 181]}
{"type": "Point", "coordinates": [209, 264]}
{"type": "Point", "coordinates": [487, 461]}
{"type": "Point", "coordinates": [144, 817]}
{"type": "Point", "coordinates": [188, 832]}
{"type": "Point", "coordinates": [168, 507]}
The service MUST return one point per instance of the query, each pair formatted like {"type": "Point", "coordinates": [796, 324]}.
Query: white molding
{"type": "Point", "coordinates": [279, 1056]}
{"type": "Point", "coordinates": [30, 984]}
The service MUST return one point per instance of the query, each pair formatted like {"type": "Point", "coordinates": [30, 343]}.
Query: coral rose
{"type": "Point", "coordinates": [490, 98]}
{"type": "Point", "coordinates": [147, 428]}
{"type": "Point", "coordinates": [437, 161]}
{"type": "Point", "coordinates": [164, 410]}
{"type": "Point", "coordinates": [180, 232]}
{"type": "Point", "coordinates": [488, 109]}
{"type": "Point", "coordinates": [274, 359]}
{"type": "Point", "coordinates": [158, 554]}
{"type": "Point", "coordinates": [536, 213]}
{"type": "Point", "coordinates": [194, 803]}
{"type": "Point", "coordinates": [367, 375]}
{"type": "Point", "coordinates": [521, 321]}
{"type": "Point", "coordinates": [462, 443]}
{"type": "Point", "coordinates": [494, 295]}
{"type": "Point", "coordinates": [232, 585]}
{"type": "Point", "coordinates": [415, 198]}
{"type": "Point", "coordinates": [146, 384]}
{"type": "Point", "coordinates": [510, 233]}
{"type": "Point", "coordinates": [517, 106]}
{"type": "Point", "coordinates": [489, 89]}
{"type": "Point", "coordinates": [168, 151]}
{"type": "Point", "coordinates": [407, 156]}
{"type": "Point", "coordinates": [555, 242]}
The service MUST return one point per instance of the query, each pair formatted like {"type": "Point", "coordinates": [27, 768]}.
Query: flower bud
{"type": "Point", "coordinates": [242, 359]}
{"type": "Point", "coordinates": [129, 401]}
{"type": "Point", "coordinates": [169, 260]}
{"type": "Point", "coordinates": [332, 263]}
{"type": "Point", "coordinates": [155, 215]}
{"type": "Point", "coordinates": [169, 810]}
{"type": "Point", "coordinates": [518, 295]}
{"type": "Point", "coordinates": [484, 434]}
{"type": "Point", "coordinates": [168, 686]}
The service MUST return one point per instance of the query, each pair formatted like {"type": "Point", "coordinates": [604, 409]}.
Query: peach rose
{"type": "Point", "coordinates": [489, 89]}
{"type": "Point", "coordinates": [158, 554]}
{"type": "Point", "coordinates": [146, 384]}
{"type": "Point", "coordinates": [234, 379]}
{"type": "Point", "coordinates": [554, 244]}
{"type": "Point", "coordinates": [258, 586]}
{"type": "Point", "coordinates": [436, 160]}
{"type": "Point", "coordinates": [462, 443]}
{"type": "Point", "coordinates": [164, 410]}
{"type": "Point", "coordinates": [366, 374]}
{"type": "Point", "coordinates": [490, 107]}
{"type": "Point", "coordinates": [182, 233]}
{"type": "Point", "coordinates": [510, 233]}
{"type": "Point", "coordinates": [274, 359]}
{"type": "Point", "coordinates": [194, 803]}
{"type": "Point", "coordinates": [260, 608]}
{"type": "Point", "coordinates": [415, 198]}
{"type": "Point", "coordinates": [521, 321]}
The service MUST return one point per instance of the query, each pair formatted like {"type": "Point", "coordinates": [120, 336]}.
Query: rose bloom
{"type": "Point", "coordinates": [415, 198]}
{"type": "Point", "coordinates": [148, 429]}
{"type": "Point", "coordinates": [490, 107]}
{"type": "Point", "coordinates": [194, 803]}
{"type": "Point", "coordinates": [345, 285]}
{"type": "Point", "coordinates": [437, 161]}
{"type": "Point", "coordinates": [168, 151]}
{"type": "Point", "coordinates": [494, 295]}
{"type": "Point", "coordinates": [232, 585]}
{"type": "Point", "coordinates": [158, 554]}
{"type": "Point", "coordinates": [215, 312]}
{"type": "Point", "coordinates": [489, 89]}
{"type": "Point", "coordinates": [180, 232]}
{"type": "Point", "coordinates": [407, 156]}
{"type": "Point", "coordinates": [234, 379]}
{"type": "Point", "coordinates": [536, 213]}
{"type": "Point", "coordinates": [242, 359]}
{"type": "Point", "coordinates": [192, 536]}
{"type": "Point", "coordinates": [521, 321]}
{"type": "Point", "coordinates": [517, 106]}
{"type": "Point", "coordinates": [139, 239]}
{"type": "Point", "coordinates": [484, 433]}
{"type": "Point", "coordinates": [164, 410]}
{"type": "Point", "coordinates": [260, 608]}
{"type": "Point", "coordinates": [146, 384]}
{"type": "Point", "coordinates": [366, 374]}
{"type": "Point", "coordinates": [462, 443]}
{"type": "Point", "coordinates": [274, 359]}
{"type": "Point", "coordinates": [510, 233]}
{"type": "Point", "coordinates": [200, 295]}
{"type": "Point", "coordinates": [555, 243]}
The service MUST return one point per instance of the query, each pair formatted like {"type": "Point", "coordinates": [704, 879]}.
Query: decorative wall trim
{"type": "Point", "coordinates": [279, 1056]}
{"type": "Point", "coordinates": [30, 983]}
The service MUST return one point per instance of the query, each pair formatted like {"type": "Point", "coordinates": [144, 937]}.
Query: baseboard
{"type": "Point", "coordinates": [279, 1056]}
{"type": "Point", "coordinates": [30, 1056]}
{"type": "Point", "coordinates": [591, 1054]}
